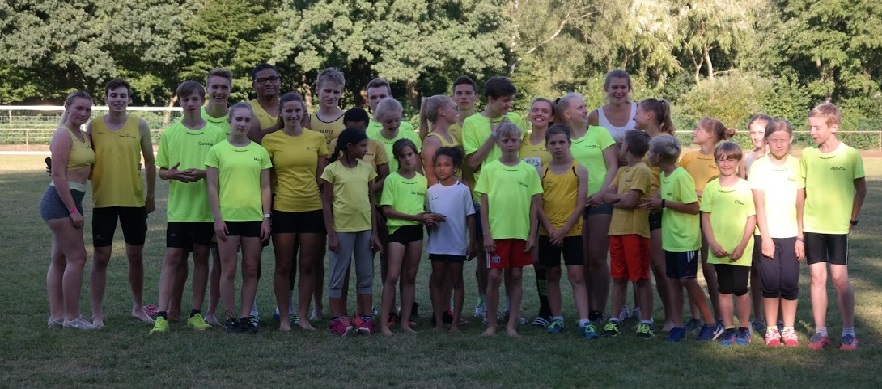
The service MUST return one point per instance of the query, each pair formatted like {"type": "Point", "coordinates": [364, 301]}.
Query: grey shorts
{"type": "Point", "coordinates": [51, 206]}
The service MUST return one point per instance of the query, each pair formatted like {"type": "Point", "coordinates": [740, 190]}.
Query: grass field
{"type": "Point", "coordinates": [124, 355]}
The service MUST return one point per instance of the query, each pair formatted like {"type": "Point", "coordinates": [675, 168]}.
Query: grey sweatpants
{"type": "Point", "coordinates": [359, 244]}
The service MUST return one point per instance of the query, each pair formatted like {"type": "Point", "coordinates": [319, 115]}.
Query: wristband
{"type": "Point", "coordinates": [74, 211]}
{"type": "Point", "coordinates": [267, 216]}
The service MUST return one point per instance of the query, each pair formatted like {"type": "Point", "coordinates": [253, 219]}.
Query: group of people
{"type": "Point", "coordinates": [610, 191]}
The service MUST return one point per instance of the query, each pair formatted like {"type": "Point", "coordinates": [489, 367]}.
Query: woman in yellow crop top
{"type": "Point", "coordinates": [440, 111]}
{"type": "Point", "coordinates": [62, 208]}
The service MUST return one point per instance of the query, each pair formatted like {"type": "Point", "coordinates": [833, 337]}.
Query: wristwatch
{"type": "Point", "coordinates": [854, 222]}
{"type": "Point", "coordinates": [267, 216]}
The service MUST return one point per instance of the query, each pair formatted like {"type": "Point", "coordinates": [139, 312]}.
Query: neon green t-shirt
{"type": "Point", "coordinates": [374, 127]}
{"type": "Point", "coordinates": [187, 202]}
{"type": "Point", "coordinates": [477, 128]}
{"type": "Point", "coordinates": [828, 179]}
{"type": "Point", "coordinates": [295, 160]}
{"type": "Point", "coordinates": [588, 151]}
{"type": "Point", "coordinates": [729, 208]}
{"type": "Point", "coordinates": [680, 231]}
{"type": "Point", "coordinates": [352, 205]}
{"type": "Point", "coordinates": [387, 143]}
{"type": "Point", "coordinates": [239, 170]}
{"type": "Point", "coordinates": [509, 190]}
{"type": "Point", "coordinates": [405, 196]}
{"type": "Point", "coordinates": [222, 122]}
{"type": "Point", "coordinates": [778, 184]}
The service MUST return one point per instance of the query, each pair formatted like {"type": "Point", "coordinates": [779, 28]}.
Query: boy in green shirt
{"type": "Point", "coordinates": [829, 199]}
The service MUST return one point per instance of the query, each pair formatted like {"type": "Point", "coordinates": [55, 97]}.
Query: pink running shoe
{"type": "Point", "coordinates": [341, 326]}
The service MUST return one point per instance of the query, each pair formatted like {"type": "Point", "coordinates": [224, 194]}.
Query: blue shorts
{"type": "Point", "coordinates": [681, 264]}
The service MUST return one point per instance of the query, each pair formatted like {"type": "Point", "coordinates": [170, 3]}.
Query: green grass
{"type": "Point", "coordinates": [124, 355]}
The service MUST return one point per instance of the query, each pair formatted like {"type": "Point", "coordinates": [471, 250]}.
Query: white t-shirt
{"type": "Point", "coordinates": [455, 203]}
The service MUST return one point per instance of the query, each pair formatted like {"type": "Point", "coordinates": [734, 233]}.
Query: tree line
{"type": "Point", "coordinates": [723, 58]}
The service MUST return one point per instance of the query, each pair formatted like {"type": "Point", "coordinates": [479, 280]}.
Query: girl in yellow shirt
{"type": "Point", "coordinates": [440, 112]}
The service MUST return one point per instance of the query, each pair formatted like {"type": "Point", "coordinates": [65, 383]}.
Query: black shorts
{"type": "Point", "coordinates": [681, 264]}
{"type": "Point", "coordinates": [183, 235]}
{"type": "Point", "coordinates": [132, 219]}
{"type": "Point", "coordinates": [407, 234]}
{"type": "Point", "coordinates": [732, 279]}
{"type": "Point", "coordinates": [244, 229]}
{"type": "Point", "coordinates": [572, 251]}
{"type": "Point", "coordinates": [311, 222]}
{"type": "Point", "coordinates": [655, 221]}
{"type": "Point", "coordinates": [479, 225]}
{"type": "Point", "coordinates": [826, 248]}
{"type": "Point", "coordinates": [600, 209]}
{"type": "Point", "coordinates": [447, 258]}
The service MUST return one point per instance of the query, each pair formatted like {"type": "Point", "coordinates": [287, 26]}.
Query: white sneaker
{"type": "Point", "coordinates": [254, 311]}
{"type": "Point", "coordinates": [56, 323]}
{"type": "Point", "coordinates": [624, 314]}
{"type": "Point", "coordinates": [79, 324]}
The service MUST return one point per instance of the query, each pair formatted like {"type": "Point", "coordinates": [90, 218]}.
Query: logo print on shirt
{"type": "Point", "coordinates": [838, 168]}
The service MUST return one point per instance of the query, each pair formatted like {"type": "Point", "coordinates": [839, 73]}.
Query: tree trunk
{"type": "Point", "coordinates": [411, 93]}
{"type": "Point", "coordinates": [167, 116]}
{"type": "Point", "coordinates": [710, 65]}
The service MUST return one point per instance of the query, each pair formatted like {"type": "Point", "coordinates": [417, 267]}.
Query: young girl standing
{"type": "Point", "coordinates": [238, 175]}
{"type": "Point", "coordinates": [654, 117]}
{"type": "Point", "coordinates": [350, 218]}
{"type": "Point", "coordinates": [702, 167]}
{"type": "Point", "coordinates": [728, 219]}
{"type": "Point", "coordinates": [440, 111]}
{"type": "Point", "coordinates": [298, 156]}
{"type": "Point", "coordinates": [592, 147]}
{"type": "Point", "coordinates": [534, 151]}
{"type": "Point", "coordinates": [403, 202]}
{"type": "Point", "coordinates": [448, 246]}
{"type": "Point", "coordinates": [773, 179]}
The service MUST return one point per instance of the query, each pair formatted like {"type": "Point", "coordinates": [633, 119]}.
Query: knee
{"type": "Point", "coordinates": [620, 282]}
{"type": "Point", "coordinates": [553, 274]}
{"type": "Point", "coordinates": [391, 280]}
{"type": "Point", "coordinates": [840, 282]}
{"type": "Point", "coordinates": [456, 282]}
{"type": "Point", "coordinates": [495, 277]}
{"type": "Point", "coordinates": [283, 268]}
{"type": "Point", "coordinates": [249, 272]}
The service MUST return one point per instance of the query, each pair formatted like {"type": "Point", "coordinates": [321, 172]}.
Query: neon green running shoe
{"type": "Point", "coordinates": [645, 331]}
{"type": "Point", "coordinates": [160, 325]}
{"type": "Point", "coordinates": [198, 322]}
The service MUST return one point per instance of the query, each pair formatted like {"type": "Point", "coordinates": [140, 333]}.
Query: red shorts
{"type": "Point", "coordinates": [509, 254]}
{"type": "Point", "coordinates": [629, 257]}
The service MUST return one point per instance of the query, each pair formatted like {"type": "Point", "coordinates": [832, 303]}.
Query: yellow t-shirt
{"type": "Point", "coordinates": [779, 185]}
{"type": "Point", "coordinates": [632, 221]}
{"type": "Point", "coordinates": [456, 132]}
{"type": "Point", "coordinates": [536, 155]}
{"type": "Point", "coordinates": [729, 208]}
{"type": "Point", "coordinates": [510, 191]}
{"type": "Point", "coordinates": [559, 198]}
{"type": "Point", "coordinates": [222, 122]}
{"type": "Point", "coordinates": [295, 160]}
{"type": "Point", "coordinates": [116, 180]}
{"type": "Point", "coordinates": [375, 154]}
{"type": "Point", "coordinates": [265, 119]}
{"type": "Point", "coordinates": [405, 196]}
{"type": "Point", "coordinates": [702, 168]}
{"type": "Point", "coordinates": [680, 231]}
{"type": "Point", "coordinates": [588, 151]}
{"type": "Point", "coordinates": [444, 142]}
{"type": "Point", "coordinates": [187, 202]}
{"type": "Point", "coordinates": [477, 128]}
{"type": "Point", "coordinates": [331, 130]}
{"type": "Point", "coordinates": [239, 171]}
{"type": "Point", "coordinates": [387, 143]}
{"type": "Point", "coordinates": [828, 179]}
{"type": "Point", "coordinates": [352, 206]}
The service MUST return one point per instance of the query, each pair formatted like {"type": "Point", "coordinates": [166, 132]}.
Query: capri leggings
{"type": "Point", "coordinates": [357, 244]}
{"type": "Point", "coordinates": [779, 275]}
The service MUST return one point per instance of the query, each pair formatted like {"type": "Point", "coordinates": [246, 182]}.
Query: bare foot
{"type": "Point", "coordinates": [98, 322]}
{"type": "Point", "coordinates": [139, 314]}
{"type": "Point", "coordinates": [211, 319]}
{"type": "Point", "coordinates": [438, 328]}
{"type": "Point", "coordinates": [304, 325]}
{"type": "Point", "coordinates": [317, 313]}
{"type": "Point", "coordinates": [284, 327]}
{"type": "Point", "coordinates": [408, 329]}
{"type": "Point", "coordinates": [513, 333]}
{"type": "Point", "coordinates": [668, 326]}
{"type": "Point", "coordinates": [386, 332]}
{"type": "Point", "coordinates": [490, 331]}
{"type": "Point", "coordinates": [454, 330]}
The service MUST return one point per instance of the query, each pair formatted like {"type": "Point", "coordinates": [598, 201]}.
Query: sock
{"type": "Point", "coordinates": [821, 331]}
{"type": "Point", "coordinates": [847, 331]}
{"type": "Point", "coordinates": [584, 322]}
{"type": "Point", "coordinates": [291, 309]}
{"type": "Point", "coordinates": [195, 312]}
{"type": "Point", "coordinates": [788, 328]}
{"type": "Point", "coordinates": [557, 318]}
{"type": "Point", "coordinates": [542, 289]}
{"type": "Point", "coordinates": [647, 322]}
{"type": "Point", "coordinates": [614, 320]}
{"type": "Point", "coordinates": [162, 314]}
{"type": "Point", "coordinates": [771, 328]}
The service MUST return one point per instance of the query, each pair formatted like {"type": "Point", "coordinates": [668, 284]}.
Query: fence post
{"type": "Point", "coordinates": [27, 140]}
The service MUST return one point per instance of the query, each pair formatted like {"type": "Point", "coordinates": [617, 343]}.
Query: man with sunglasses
{"type": "Point", "coordinates": [267, 84]}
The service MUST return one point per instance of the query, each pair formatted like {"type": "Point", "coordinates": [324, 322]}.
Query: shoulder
{"type": "Point", "coordinates": [594, 117]}
{"type": "Point", "coordinates": [473, 120]}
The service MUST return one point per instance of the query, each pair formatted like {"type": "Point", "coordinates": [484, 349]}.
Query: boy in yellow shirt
{"type": "Point", "coordinates": [831, 191]}
{"type": "Point", "coordinates": [629, 233]}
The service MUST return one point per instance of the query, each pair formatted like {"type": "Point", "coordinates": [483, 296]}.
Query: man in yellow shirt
{"type": "Point", "coordinates": [267, 85]}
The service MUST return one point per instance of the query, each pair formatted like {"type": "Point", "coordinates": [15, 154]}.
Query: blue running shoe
{"type": "Point", "coordinates": [556, 327]}
{"type": "Point", "coordinates": [589, 331]}
{"type": "Point", "coordinates": [742, 337]}
{"type": "Point", "coordinates": [677, 334]}
{"type": "Point", "coordinates": [728, 337]}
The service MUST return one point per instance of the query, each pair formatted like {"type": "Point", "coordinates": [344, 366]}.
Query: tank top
{"type": "Point", "coordinates": [559, 198]}
{"type": "Point", "coordinates": [116, 180]}
{"type": "Point", "coordinates": [265, 119]}
{"type": "Point", "coordinates": [81, 153]}
{"type": "Point", "coordinates": [331, 130]}
{"type": "Point", "coordinates": [618, 133]}
{"type": "Point", "coordinates": [444, 142]}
